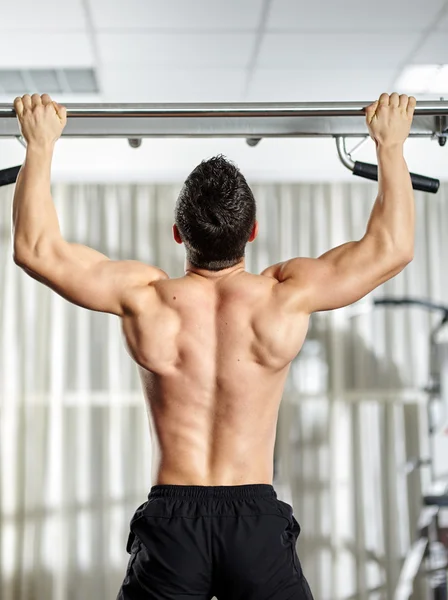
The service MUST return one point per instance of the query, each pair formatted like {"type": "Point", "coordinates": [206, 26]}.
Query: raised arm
{"type": "Point", "coordinates": [78, 273]}
{"type": "Point", "coordinates": [349, 272]}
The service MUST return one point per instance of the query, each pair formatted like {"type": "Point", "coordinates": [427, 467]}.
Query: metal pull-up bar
{"type": "Point", "coordinates": [250, 121]}
{"type": "Point", "coordinates": [325, 119]}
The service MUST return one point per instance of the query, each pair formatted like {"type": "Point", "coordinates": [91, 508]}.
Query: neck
{"type": "Point", "coordinates": [191, 270]}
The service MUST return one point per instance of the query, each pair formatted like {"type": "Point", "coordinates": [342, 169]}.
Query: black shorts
{"type": "Point", "coordinates": [232, 542]}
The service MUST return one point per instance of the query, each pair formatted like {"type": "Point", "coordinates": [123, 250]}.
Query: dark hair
{"type": "Point", "coordinates": [215, 214]}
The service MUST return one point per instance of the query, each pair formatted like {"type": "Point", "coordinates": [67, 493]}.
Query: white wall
{"type": "Point", "coordinates": [168, 160]}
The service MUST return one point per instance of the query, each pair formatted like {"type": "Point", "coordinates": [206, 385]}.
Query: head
{"type": "Point", "coordinates": [215, 215]}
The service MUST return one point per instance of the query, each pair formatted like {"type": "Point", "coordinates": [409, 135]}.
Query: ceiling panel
{"type": "Point", "coordinates": [275, 85]}
{"type": "Point", "coordinates": [433, 51]}
{"type": "Point", "coordinates": [46, 15]}
{"type": "Point", "coordinates": [173, 85]}
{"type": "Point", "coordinates": [181, 50]}
{"type": "Point", "coordinates": [352, 15]}
{"type": "Point", "coordinates": [324, 51]}
{"type": "Point", "coordinates": [176, 14]}
{"type": "Point", "coordinates": [53, 50]}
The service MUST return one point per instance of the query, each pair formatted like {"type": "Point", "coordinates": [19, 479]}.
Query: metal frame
{"type": "Point", "coordinates": [253, 121]}
{"type": "Point", "coordinates": [427, 556]}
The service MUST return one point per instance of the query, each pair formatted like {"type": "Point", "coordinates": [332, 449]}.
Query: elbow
{"type": "Point", "coordinates": [404, 257]}
{"type": "Point", "coordinates": [397, 253]}
{"type": "Point", "coordinates": [400, 252]}
{"type": "Point", "coordinates": [21, 257]}
{"type": "Point", "coordinates": [26, 255]}
{"type": "Point", "coordinates": [407, 254]}
{"type": "Point", "coordinates": [18, 259]}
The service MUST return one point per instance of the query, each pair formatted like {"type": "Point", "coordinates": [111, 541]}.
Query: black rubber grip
{"type": "Point", "coordinates": [419, 182]}
{"type": "Point", "coordinates": [441, 500]}
{"type": "Point", "coordinates": [406, 301]}
{"type": "Point", "coordinates": [9, 176]}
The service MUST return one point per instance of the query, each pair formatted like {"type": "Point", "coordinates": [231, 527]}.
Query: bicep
{"type": "Point", "coordinates": [341, 276]}
{"type": "Point", "coordinates": [88, 278]}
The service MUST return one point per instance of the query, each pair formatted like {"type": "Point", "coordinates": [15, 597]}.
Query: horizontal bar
{"type": "Point", "coordinates": [325, 119]}
{"type": "Point", "coordinates": [407, 301]}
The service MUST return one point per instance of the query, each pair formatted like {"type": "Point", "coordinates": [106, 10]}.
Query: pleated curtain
{"type": "Point", "coordinates": [75, 454]}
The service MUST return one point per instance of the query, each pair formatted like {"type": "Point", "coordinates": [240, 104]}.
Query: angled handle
{"type": "Point", "coordinates": [9, 176]}
{"type": "Point", "coordinates": [419, 182]}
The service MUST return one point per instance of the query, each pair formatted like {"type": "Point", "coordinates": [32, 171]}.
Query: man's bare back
{"type": "Point", "coordinates": [214, 352]}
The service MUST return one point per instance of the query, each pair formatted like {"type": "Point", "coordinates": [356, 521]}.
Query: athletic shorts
{"type": "Point", "coordinates": [232, 542]}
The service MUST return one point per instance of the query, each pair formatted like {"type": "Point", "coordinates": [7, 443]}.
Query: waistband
{"type": "Point", "coordinates": [257, 490]}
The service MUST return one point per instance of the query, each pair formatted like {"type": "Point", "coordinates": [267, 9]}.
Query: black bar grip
{"type": "Point", "coordinates": [441, 500]}
{"type": "Point", "coordinates": [9, 176]}
{"type": "Point", "coordinates": [419, 182]}
{"type": "Point", "coordinates": [406, 301]}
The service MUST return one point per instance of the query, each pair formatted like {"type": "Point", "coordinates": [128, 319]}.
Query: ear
{"type": "Point", "coordinates": [254, 233]}
{"type": "Point", "coordinates": [176, 235]}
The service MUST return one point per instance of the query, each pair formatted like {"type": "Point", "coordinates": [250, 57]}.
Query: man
{"type": "Point", "coordinates": [214, 349]}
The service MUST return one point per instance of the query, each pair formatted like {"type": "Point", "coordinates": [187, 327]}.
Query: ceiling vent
{"type": "Point", "coordinates": [51, 81]}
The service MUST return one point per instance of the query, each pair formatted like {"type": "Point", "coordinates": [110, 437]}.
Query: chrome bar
{"type": "Point", "coordinates": [324, 119]}
{"type": "Point", "coordinates": [344, 156]}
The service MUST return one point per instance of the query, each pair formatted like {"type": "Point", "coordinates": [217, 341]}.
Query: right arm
{"type": "Point", "coordinates": [347, 273]}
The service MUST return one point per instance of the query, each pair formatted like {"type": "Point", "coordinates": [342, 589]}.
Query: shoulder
{"type": "Point", "coordinates": [292, 270]}
{"type": "Point", "coordinates": [293, 282]}
{"type": "Point", "coordinates": [143, 293]}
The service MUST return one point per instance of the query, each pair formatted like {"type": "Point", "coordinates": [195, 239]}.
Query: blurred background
{"type": "Point", "coordinates": [362, 433]}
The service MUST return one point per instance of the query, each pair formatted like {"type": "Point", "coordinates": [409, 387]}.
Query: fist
{"type": "Point", "coordinates": [41, 120]}
{"type": "Point", "coordinates": [389, 119]}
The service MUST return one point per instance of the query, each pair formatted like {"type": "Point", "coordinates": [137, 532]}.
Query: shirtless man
{"type": "Point", "coordinates": [213, 349]}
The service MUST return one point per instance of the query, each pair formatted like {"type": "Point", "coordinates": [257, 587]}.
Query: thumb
{"type": "Point", "coordinates": [18, 107]}
{"type": "Point", "coordinates": [61, 111]}
{"type": "Point", "coordinates": [371, 110]}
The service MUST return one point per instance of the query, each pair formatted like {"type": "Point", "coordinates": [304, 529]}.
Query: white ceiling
{"type": "Point", "coordinates": [181, 15]}
{"type": "Point", "coordinates": [231, 51]}
{"type": "Point", "coordinates": [351, 15]}
{"type": "Point", "coordinates": [143, 50]}
{"type": "Point", "coordinates": [317, 51]}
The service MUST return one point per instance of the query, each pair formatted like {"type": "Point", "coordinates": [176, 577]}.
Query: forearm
{"type": "Point", "coordinates": [34, 217]}
{"type": "Point", "coordinates": [392, 217]}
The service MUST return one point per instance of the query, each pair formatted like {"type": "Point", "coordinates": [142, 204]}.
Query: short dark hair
{"type": "Point", "coordinates": [215, 214]}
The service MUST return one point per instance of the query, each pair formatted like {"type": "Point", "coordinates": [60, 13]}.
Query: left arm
{"type": "Point", "coordinates": [78, 273]}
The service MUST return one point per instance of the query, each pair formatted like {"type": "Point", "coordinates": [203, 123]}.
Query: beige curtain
{"type": "Point", "coordinates": [74, 446]}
